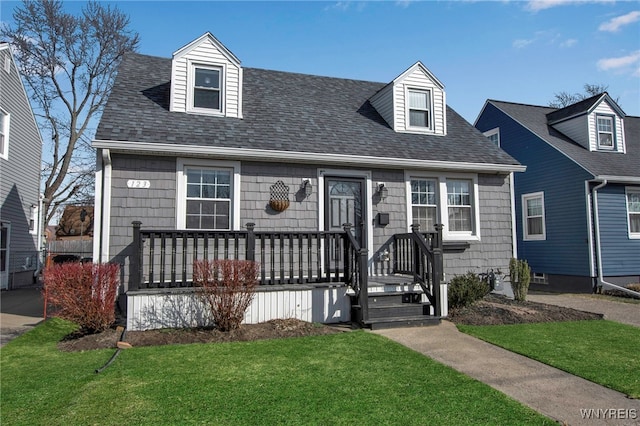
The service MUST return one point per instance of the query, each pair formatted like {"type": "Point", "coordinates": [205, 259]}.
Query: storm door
{"type": "Point", "coordinates": [344, 204]}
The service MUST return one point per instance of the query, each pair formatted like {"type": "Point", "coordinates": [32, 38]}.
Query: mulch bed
{"type": "Point", "coordinates": [492, 310]}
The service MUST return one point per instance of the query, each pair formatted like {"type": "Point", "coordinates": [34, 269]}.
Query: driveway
{"type": "Point", "coordinates": [20, 310]}
{"type": "Point", "coordinates": [627, 313]}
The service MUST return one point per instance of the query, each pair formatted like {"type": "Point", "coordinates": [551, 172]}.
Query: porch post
{"type": "Point", "coordinates": [136, 257]}
{"type": "Point", "coordinates": [251, 242]}
{"type": "Point", "coordinates": [415, 228]}
{"type": "Point", "coordinates": [364, 283]}
{"type": "Point", "coordinates": [438, 270]}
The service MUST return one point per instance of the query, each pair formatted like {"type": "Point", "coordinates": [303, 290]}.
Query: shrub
{"type": "Point", "coordinates": [520, 276]}
{"type": "Point", "coordinates": [466, 289]}
{"type": "Point", "coordinates": [634, 287]}
{"type": "Point", "coordinates": [226, 288]}
{"type": "Point", "coordinates": [84, 293]}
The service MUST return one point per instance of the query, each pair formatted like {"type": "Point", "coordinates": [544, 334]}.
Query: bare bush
{"type": "Point", "coordinates": [226, 288]}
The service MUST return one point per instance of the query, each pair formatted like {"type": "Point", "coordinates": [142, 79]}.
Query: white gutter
{"type": "Point", "coordinates": [39, 236]}
{"type": "Point", "coordinates": [302, 157]}
{"type": "Point", "coordinates": [601, 281]}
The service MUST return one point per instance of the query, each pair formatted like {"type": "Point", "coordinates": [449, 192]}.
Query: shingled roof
{"type": "Point", "coordinates": [597, 163]}
{"type": "Point", "coordinates": [281, 112]}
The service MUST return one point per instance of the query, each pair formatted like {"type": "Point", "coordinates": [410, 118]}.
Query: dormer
{"type": "Point", "coordinates": [596, 123]}
{"type": "Point", "coordinates": [414, 102]}
{"type": "Point", "coordinates": [206, 78]}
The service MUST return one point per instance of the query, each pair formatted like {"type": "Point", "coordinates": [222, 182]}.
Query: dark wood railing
{"type": "Point", "coordinates": [357, 273]}
{"type": "Point", "coordinates": [164, 258]}
{"type": "Point", "coordinates": [420, 255]}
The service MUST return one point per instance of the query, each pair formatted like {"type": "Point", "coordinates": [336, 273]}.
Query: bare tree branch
{"type": "Point", "coordinates": [68, 64]}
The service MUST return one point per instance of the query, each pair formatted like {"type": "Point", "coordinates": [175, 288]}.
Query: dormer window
{"type": "Point", "coordinates": [206, 89]}
{"type": "Point", "coordinates": [605, 132]}
{"type": "Point", "coordinates": [419, 109]}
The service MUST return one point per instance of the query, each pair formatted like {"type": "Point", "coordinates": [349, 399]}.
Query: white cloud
{"type": "Point", "coordinates": [613, 25]}
{"type": "Point", "coordinates": [621, 63]}
{"type": "Point", "coordinates": [537, 5]}
{"type": "Point", "coordinates": [521, 43]}
{"type": "Point", "coordinates": [569, 42]}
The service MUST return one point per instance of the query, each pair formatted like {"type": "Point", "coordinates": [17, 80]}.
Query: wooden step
{"type": "Point", "coordinates": [399, 322]}
{"type": "Point", "coordinates": [390, 310]}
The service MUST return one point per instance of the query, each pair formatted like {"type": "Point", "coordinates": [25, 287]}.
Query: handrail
{"type": "Point", "coordinates": [422, 259]}
{"type": "Point", "coordinates": [357, 276]}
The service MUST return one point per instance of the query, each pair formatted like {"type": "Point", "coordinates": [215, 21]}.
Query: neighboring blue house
{"type": "Point", "coordinates": [578, 203]}
{"type": "Point", "coordinates": [20, 153]}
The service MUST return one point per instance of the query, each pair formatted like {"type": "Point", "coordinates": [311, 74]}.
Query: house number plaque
{"type": "Point", "coordinates": [133, 183]}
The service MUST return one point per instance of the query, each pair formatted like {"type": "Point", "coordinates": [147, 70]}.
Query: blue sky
{"type": "Point", "coordinates": [519, 51]}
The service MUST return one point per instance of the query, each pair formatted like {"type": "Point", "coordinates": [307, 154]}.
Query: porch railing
{"type": "Point", "coordinates": [420, 256]}
{"type": "Point", "coordinates": [164, 258]}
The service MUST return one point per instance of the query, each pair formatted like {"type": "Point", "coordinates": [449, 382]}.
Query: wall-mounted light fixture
{"type": "Point", "coordinates": [382, 191]}
{"type": "Point", "coordinates": [307, 188]}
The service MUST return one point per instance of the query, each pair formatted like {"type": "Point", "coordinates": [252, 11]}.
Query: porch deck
{"type": "Point", "coordinates": [319, 264]}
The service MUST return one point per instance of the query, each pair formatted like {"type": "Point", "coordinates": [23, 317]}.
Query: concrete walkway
{"type": "Point", "coordinates": [552, 392]}
{"type": "Point", "coordinates": [20, 311]}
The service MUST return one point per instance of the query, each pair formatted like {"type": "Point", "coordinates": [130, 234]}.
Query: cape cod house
{"type": "Point", "coordinates": [20, 153]}
{"type": "Point", "coordinates": [200, 157]}
{"type": "Point", "coordinates": [578, 203]}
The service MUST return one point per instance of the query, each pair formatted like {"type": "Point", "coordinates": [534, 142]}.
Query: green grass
{"type": "Point", "coordinates": [346, 378]}
{"type": "Point", "coordinates": [603, 352]}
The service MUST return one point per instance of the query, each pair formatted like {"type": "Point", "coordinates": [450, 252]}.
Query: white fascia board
{"type": "Point", "coordinates": [303, 157]}
{"type": "Point", "coordinates": [617, 179]}
{"type": "Point", "coordinates": [424, 69]}
{"type": "Point", "coordinates": [223, 49]}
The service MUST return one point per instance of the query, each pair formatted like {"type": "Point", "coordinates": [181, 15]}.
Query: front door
{"type": "Point", "coordinates": [344, 204]}
{"type": "Point", "coordinates": [4, 256]}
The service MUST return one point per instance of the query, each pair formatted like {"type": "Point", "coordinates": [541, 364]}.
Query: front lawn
{"type": "Point", "coordinates": [603, 352]}
{"type": "Point", "coordinates": [346, 378]}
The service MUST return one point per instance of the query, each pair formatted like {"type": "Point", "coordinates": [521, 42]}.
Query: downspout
{"type": "Point", "coordinates": [39, 236]}
{"type": "Point", "coordinates": [596, 220]}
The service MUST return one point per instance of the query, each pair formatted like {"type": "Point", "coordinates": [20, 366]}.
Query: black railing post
{"type": "Point", "coordinates": [364, 283]}
{"type": "Point", "coordinates": [438, 268]}
{"type": "Point", "coordinates": [136, 257]}
{"type": "Point", "coordinates": [347, 254]}
{"type": "Point", "coordinates": [417, 272]}
{"type": "Point", "coordinates": [251, 242]}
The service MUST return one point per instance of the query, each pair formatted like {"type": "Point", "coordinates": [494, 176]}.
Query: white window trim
{"type": "Point", "coordinates": [407, 109]}
{"type": "Point", "coordinates": [492, 132]}
{"type": "Point", "coordinates": [525, 229]}
{"type": "Point", "coordinates": [613, 133]}
{"type": "Point", "coordinates": [181, 188]}
{"type": "Point", "coordinates": [191, 80]}
{"type": "Point", "coordinates": [5, 125]}
{"type": "Point", "coordinates": [442, 212]}
{"type": "Point", "coordinates": [627, 190]}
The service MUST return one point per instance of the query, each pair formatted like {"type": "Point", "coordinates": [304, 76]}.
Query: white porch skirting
{"type": "Point", "coordinates": [177, 308]}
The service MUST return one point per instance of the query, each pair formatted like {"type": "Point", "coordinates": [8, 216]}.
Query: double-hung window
{"type": "Point", "coordinates": [448, 200]}
{"type": "Point", "coordinates": [533, 216]}
{"type": "Point", "coordinates": [207, 88]}
{"type": "Point", "coordinates": [633, 211]}
{"type": "Point", "coordinates": [424, 203]}
{"type": "Point", "coordinates": [208, 195]}
{"type": "Point", "coordinates": [419, 108]}
{"type": "Point", "coordinates": [459, 205]}
{"type": "Point", "coordinates": [605, 132]}
{"type": "Point", "coordinates": [4, 134]}
{"type": "Point", "coordinates": [208, 199]}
